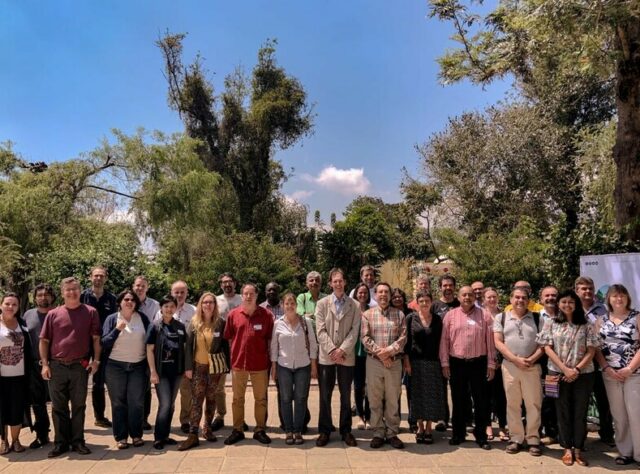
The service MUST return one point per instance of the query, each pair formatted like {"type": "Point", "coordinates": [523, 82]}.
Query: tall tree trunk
{"type": "Point", "coordinates": [626, 151]}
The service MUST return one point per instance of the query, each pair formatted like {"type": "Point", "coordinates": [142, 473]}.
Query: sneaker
{"type": "Point", "coordinates": [261, 437]}
{"type": "Point", "coordinates": [103, 423]}
{"type": "Point", "coordinates": [234, 437]}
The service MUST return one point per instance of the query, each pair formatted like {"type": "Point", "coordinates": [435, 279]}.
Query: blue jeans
{"type": "Point", "coordinates": [294, 392]}
{"type": "Point", "coordinates": [127, 384]}
{"type": "Point", "coordinates": [167, 391]}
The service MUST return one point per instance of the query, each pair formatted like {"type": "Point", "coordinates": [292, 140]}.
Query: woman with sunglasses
{"type": "Point", "coordinates": [124, 350]}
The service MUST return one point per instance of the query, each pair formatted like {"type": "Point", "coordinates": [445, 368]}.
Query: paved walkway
{"type": "Point", "coordinates": [250, 457]}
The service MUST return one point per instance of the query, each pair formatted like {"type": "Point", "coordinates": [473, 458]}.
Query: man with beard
{"type": "Point", "coordinates": [44, 296]}
{"type": "Point", "coordinates": [548, 298]}
{"type": "Point", "coordinates": [105, 303]}
{"type": "Point", "coordinates": [468, 359]}
{"type": "Point", "coordinates": [306, 302]}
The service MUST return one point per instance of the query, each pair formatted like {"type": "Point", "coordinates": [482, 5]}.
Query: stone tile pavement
{"type": "Point", "coordinates": [249, 456]}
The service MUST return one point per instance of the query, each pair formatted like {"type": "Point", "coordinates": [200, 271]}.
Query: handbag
{"type": "Point", "coordinates": [552, 386]}
{"type": "Point", "coordinates": [218, 364]}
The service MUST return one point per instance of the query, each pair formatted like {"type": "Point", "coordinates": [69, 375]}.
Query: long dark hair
{"type": "Point", "coordinates": [578, 317]}
{"type": "Point", "coordinates": [355, 293]}
{"type": "Point", "coordinates": [398, 291]}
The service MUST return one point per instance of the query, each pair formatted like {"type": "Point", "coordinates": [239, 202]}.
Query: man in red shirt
{"type": "Point", "coordinates": [248, 330]}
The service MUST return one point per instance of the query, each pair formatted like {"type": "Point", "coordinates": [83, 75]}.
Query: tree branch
{"type": "Point", "coordinates": [112, 191]}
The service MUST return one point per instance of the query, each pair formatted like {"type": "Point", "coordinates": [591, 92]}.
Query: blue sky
{"type": "Point", "coordinates": [73, 70]}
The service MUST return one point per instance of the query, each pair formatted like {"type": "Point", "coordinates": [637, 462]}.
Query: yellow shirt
{"type": "Point", "coordinates": [204, 340]}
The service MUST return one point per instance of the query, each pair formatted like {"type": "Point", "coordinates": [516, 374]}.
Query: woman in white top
{"type": "Point", "coordinates": [14, 373]}
{"type": "Point", "coordinates": [126, 373]}
{"type": "Point", "coordinates": [294, 355]}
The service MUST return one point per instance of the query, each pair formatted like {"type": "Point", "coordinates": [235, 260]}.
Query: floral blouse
{"type": "Point", "coordinates": [569, 341]}
{"type": "Point", "coordinates": [620, 342]}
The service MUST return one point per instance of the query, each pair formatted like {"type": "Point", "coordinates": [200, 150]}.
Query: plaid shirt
{"type": "Point", "coordinates": [381, 329]}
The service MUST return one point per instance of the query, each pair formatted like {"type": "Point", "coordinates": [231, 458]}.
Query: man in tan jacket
{"type": "Point", "coordinates": [338, 325]}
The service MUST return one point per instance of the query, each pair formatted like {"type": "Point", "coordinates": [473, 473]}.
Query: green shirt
{"type": "Point", "coordinates": [307, 305]}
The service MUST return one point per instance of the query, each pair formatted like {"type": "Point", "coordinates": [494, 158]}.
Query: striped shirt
{"type": "Point", "coordinates": [467, 336]}
{"type": "Point", "coordinates": [381, 329]}
{"type": "Point", "coordinates": [277, 310]}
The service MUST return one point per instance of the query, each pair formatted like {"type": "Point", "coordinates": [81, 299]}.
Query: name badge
{"type": "Point", "coordinates": [257, 327]}
{"type": "Point", "coordinates": [216, 334]}
{"type": "Point", "coordinates": [181, 332]}
{"type": "Point", "coordinates": [471, 322]}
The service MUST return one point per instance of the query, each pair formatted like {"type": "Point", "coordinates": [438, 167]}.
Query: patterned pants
{"type": "Point", "coordinates": [203, 386]}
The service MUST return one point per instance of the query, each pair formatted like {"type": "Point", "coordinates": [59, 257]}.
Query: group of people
{"type": "Point", "coordinates": [371, 341]}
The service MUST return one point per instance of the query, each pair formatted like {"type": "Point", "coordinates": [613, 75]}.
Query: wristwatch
{"type": "Point", "coordinates": [44, 363]}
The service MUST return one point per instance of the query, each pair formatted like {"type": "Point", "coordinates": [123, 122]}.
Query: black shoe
{"type": "Point", "coordinates": [413, 428]}
{"type": "Point", "coordinates": [441, 426]}
{"type": "Point", "coordinates": [103, 423]}
{"type": "Point", "coordinates": [395, 442]}
{"type": "Point", "coordinates": [376, 442]}
{"type": "Point", "coordinates": [58, 449]}
{"type": "Point", "coordinates": [245, 427]}
{"type": "Point", "coordinates": [39, 442]}
{"type": "Point", "coordinates": [484, 445]}
{"type": "Point", "coordinates": [455, 441]}
{"type": "Point", "coordinates": [333, 429]}
{"type": "Point", "coordinates": [217, 424]}
{"type": "Point", "coordinates": [146, 426]}
{"type": "Point", "coordinates": [170, 442]}
{"type": "Point", "coordinates": [262, 437]}
{"type": "Point", "coordinates": [81, 448]}
{"type": "Point", "coordinates": [185, 428]}
{"type": "Point", "coordinates": [158, 444]}
{"type": "Point", "coordinates": [349, 440]}
{"type": "Point", "coordinates": [234, 437]}
{"type": "Point", "coordinates": [322, 440]}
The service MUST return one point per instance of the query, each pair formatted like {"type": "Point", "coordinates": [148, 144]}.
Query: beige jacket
{"type": "Point", "coordinates": [335, 332]}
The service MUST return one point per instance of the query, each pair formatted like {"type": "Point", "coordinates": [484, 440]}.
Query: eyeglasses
{"type": "Point", "coordinates": [208, 302]}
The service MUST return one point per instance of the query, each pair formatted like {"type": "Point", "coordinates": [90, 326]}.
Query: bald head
{"type": "Point", "coordinates": [466, 297]}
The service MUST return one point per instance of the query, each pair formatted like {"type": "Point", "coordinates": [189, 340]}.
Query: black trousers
{"type": "Point", "coordinates": [326, 381]}
{"type": "Point", "coordinates": [497, 400]}
{"type": "Point", "coordinates": [604, 412]}
{"type": "Point", "coordinates": [97, 392]}
{"type": "Point", "coordinates": [571, 408]}
{"type": "Point", "coordinates": [39, 398]}
{"type": "Point", "coordinates": [469, 375]}
{"type": "Point", "coordinates": [68, 384]}
{"type": "Point", "coordinates": [359, 388]}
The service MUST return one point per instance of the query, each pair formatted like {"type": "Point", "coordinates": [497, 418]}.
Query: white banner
{"type": "Point", "coordinates": [605, 270]}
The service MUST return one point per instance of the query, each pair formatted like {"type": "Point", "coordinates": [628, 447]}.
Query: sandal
{"type": "Point", "coordinates": [428, 438]}
{"type": "Point", "coordinates": [138, 442]}
{"type": "Point", "coordinates": [5, 447]}
{"type": "Point", "coordinates": [504, 435]}
{"type": "Point", "coordinates": [17, 447]}
{"type": "Point", "coordinates": [122, 445]}
{"type": "Point", "coordinates": [420, 437]}
{"type": "Point", "coordinates": [623, 460]}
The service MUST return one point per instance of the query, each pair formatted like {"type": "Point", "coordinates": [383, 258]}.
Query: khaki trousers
{"type": "Point", "coordinates": [383, 389]}
{"type": "Point", "coordinates": [221, 397]}
{"type": "Point", "coordinates": [259, 382]}
{"type": "Point", "coordinates": [523, 385]}
{"type": "Point", "coordinates": [185, 401]}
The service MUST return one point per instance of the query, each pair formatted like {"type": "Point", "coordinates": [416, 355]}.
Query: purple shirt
{"type": "Point", "coordinates": [70, 331]}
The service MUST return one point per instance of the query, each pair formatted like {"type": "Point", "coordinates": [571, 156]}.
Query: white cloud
{"type": "Point", "coordinates": [300, 195]}
{"type": "Point", "coordinates": [348, 182]}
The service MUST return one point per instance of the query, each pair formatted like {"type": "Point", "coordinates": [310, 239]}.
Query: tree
{"type": "Point", "coordinates": [257, 117]}
{"type": "Point", "coordinates": [575, 56]}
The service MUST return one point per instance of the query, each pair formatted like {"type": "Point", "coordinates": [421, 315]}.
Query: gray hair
{"type": "Point", "coordinates": [314, 274]}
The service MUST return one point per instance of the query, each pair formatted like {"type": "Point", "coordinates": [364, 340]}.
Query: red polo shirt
{"type": "Point", "coordinates": [249, 338]}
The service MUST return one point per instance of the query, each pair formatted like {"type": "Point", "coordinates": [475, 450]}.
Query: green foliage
{"type": "Point", "coordinates": [497, 257]}
{"type": "Point", "coordinates": [88, 242]}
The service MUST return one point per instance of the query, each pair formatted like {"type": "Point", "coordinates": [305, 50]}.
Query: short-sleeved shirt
{"type": "Point", "coordinates": [149, 307]}
{"type": "Point", "coordinates": [596, 311]}
{"type": "Point", "coordinates": [11, 351]}
{"type": "Point", "coordinates": [440, 308]}
{"type": "Point", "coordinates": [620, 342]}
{"type": "Point", "coordinates": [519, 334]}
{"type": "Point", "coordinates": [249, 337]}
{"type": "Point", "coordinates": [70, 331]}
{"type": "Point", "coordinates": [306, 305]}
{"type": "Point", "coordinates": [569, 341]}
{"type": "Point", "coordinates": [34, 320]}
{"type": "Point", "coordinates": [277, 310]}
{"type": "Point", "coordinates": [105, 305]}
{"type": "Point", "coordinates": [170, 348]}
{"type": "Point", "coordinates": [225, 305]}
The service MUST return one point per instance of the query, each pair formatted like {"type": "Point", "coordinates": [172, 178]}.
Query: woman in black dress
{"type": "Point", "coordinates": [422, 363]}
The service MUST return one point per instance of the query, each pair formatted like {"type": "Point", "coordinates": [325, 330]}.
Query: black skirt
{"type": "Point", "coordinates": [428, 396]}
{"type": "Point", "coordinates": [13, 400]}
